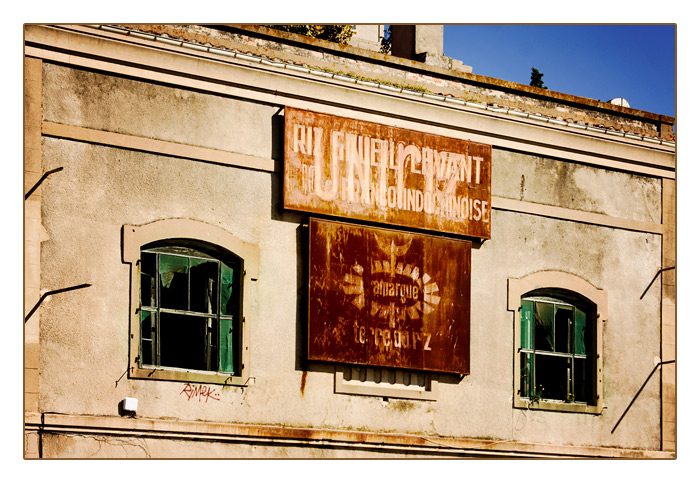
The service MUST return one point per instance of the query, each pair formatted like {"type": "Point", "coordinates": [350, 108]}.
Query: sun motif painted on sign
{"type": "Point", "coordinates": [353, 285]}
{"type": "Point", "coordinates": [397, 288]}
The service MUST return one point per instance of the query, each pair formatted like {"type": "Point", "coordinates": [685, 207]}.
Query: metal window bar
{"type": "Point", "coordinates": [659, 364]}
{"type": "Point", "coordinates": [52, 292]}
{"type": "Point", "coordinates": [41, 180]}
{"type": "Point", "coordinates": [156, 334]}
{"type": "Point", "coordinates": [571, 355]}
{"type": "Point", "coordinates": [211, 357]}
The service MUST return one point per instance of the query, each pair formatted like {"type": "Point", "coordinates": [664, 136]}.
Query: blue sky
{"type": "Point", "coordinates": [637, 62]}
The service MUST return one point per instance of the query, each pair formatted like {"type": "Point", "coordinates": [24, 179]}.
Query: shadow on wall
{"type": "Point", "coordinates": [277, 212]}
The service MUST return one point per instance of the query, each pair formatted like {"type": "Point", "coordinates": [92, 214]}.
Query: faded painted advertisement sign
{"type": "Point", "coordinates": [388, 298]}
{"type": "Point", "coordinates": [373, 172]}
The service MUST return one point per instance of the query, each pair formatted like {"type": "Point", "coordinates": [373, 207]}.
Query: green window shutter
{"type": "Point", "coordinates": [226, 345]}
{"type": "Point", "coordinates": [226, 290]}
{"type": "Point", "coordinates": [580, 332]}
{"type": "Point", "coordinates": [526, 324]}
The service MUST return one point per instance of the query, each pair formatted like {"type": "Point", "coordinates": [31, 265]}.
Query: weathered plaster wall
{"type": "Point", "coordinates": [523, 244]}
{"type": "Point", "coordinates": [156, 111]}
{"type": "Point", "coordinates": [84, 334]}
{"type": "Point", "coordinates": [560, 183]}
{"type": "Point", "coordinates": [108, 447]}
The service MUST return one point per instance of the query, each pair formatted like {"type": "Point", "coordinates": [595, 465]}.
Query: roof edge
{"type": "Point", "coordinates": [421, 66]}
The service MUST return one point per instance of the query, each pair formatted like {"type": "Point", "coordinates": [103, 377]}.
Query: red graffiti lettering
{"type": "Point", "coordinates": [200, 392]}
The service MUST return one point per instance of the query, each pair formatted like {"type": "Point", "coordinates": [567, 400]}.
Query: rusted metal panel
{"type": "Point", "coordinates": [389, 298]}
{"type": "Point", "coordinates": [373, 172]}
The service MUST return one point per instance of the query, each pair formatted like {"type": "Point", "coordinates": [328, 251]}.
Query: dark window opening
{"type": "Point", "coordinates": [191, 311]}
{"type": "Point", "coordinates": [557, 343]}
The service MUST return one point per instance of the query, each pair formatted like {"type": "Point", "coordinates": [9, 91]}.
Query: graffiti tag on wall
{"type": "Point", "coordinates": [200, 392]}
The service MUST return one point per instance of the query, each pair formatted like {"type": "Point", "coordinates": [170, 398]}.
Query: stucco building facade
{"type": "Point", "coordinates": [159, 155]}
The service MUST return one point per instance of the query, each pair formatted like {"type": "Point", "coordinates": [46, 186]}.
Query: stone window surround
{"type": "Point", "coordinates": [557, 280]}
{"type": "Point", "coordinates": [134, 237]}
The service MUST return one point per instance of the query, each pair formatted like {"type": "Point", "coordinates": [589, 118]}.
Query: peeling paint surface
{"type": "Point", "coordinates": [388, 298]}
{"type": "Point", "coordinates": [367, 171]}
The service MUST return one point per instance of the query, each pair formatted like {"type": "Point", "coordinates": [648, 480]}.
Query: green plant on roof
{"type": "Point", "coordinates": [386, 41]}
{"type": "Point", "coordinates": [536, 79]}
{"type": "Point", "coordinates": [333, 33]}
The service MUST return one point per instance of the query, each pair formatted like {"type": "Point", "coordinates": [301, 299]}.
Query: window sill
{"type": "Point", "coordinates": [202, 377]}
{"type": "Point", "coordinates": [550, 405]}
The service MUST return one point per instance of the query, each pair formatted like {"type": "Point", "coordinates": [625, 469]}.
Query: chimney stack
{"type": "Point", "coordinates": [423, 43]}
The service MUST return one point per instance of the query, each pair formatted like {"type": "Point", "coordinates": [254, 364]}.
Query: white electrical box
{"type": "Point", "coordinates": [130, 404]}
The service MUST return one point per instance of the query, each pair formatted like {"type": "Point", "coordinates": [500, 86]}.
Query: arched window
{"type": "Point", "coordinates": [558, 329]}
{"type": "Point", "coordinates": [190, 307]}
{"type": "Point", "coordinates": [557, 343]}
{"type": "Point", "coordinates": [189, 298]}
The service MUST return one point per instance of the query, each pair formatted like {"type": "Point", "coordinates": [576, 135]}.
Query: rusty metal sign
{"type": "Point", "coordinates": [373, 172]}
{"type": "Point", "coordinates": [388, 298]}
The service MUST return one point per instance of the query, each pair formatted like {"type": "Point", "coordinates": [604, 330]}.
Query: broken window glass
{"type": "Point", "coordinates": [148, 279]}
{"type": "Point", "coordinates": [190, 316]}
{"type": "Point", "coordinates": [204, 286]}
{"type": "Point", "coordinates": [174, 282]}
{"type": "Point", "coordinates": [556, 341]}
{"type": "Point", "coordinates": [544, 326]}
{"type": "Point", "coordinates": [562, 322]}
{"type": "Point", "coordinates": [182, 341]}
{"type": "Point", "coordinates": [551, 376]}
